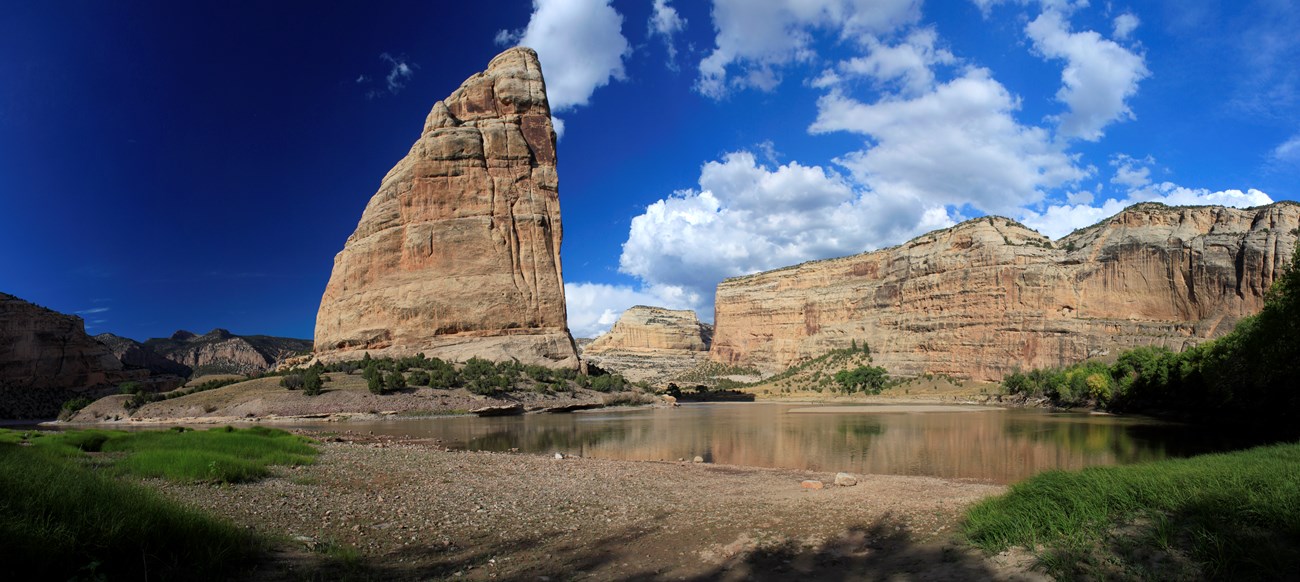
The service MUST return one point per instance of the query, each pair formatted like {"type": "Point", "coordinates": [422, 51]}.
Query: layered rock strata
{"type": "Point", "coordinates": [46, 358]}
{"type": "Point", "coordinates": [651, 344]}
{"type": "Point", "coordinates": [222, 352]}
{"type": "Point", "coordinates": [458, 253]}
{"type": "Point", "coordinates": [989, 296]}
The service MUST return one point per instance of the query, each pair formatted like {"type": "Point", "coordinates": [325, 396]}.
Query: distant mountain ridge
{"type": "Point", "coordinates": [217, 352]}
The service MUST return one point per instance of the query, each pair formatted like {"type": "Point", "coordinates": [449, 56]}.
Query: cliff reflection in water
{"type": "Point", "coordinates": [993, 445]}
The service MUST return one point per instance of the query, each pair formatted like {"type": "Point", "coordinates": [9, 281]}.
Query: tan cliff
{"type": "Point", "coordinates": [46, 358]}
{"type": "Point", "coordinates": [989, 296]}
{"type": "Point", "coordinates": [458, 253]}
{"type": "Point", "coordinates": [651, 344]}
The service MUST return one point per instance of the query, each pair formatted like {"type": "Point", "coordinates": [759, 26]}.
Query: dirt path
{"type": "Point", "coordinates": [416, 511]}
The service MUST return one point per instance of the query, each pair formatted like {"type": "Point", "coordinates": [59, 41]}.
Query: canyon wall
{"type": "Point", "coordinates": [458, 253]}
{"type": "Point", "coordinates": [46, 358]}
{"type": "Point", "coordinates": [989, 296]}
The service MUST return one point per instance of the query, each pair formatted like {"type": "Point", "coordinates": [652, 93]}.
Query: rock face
{"type": "Point", "coordinates": [458, 253]}
{"type": "Point", "coordinates": [134, 354]}
{"type": "Point", "coordinates": [217, 352]}
{"type": "Point", "coordinates": [46, 358]}
{"type": "Point", "coordinates": [989, 296]}
{"type": "Point", "coordinates": [652, 344]}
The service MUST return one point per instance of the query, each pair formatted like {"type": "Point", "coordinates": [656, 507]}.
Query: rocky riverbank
{"type": "Point", "coordinates": [413, 510]}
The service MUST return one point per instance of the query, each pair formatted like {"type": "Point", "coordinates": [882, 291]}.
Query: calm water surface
{"type": "Point", "coordinates": [1000, 446]}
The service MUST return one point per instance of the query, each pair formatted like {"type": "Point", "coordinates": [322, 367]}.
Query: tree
{"type": "Point", "coordinates": [375, 383]}
{"type": "Point", "coordinates": [869, 379]}
{"type": "Point", "coordinates": [395, 380]}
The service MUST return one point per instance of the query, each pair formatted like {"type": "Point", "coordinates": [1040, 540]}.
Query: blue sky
{"type": "Point", "coordinates": [169, 165]}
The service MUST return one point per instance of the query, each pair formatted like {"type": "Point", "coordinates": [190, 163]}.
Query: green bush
{"type": "Point", "coordinates": [375, 383]}
{"type": "Point", "coordinates": [418, 378]}
{"type": "Point", "coordinates": [481, 377]}
{"type": "Point", "coordinates": [312, 382]}
{"type": "Point", "coordinates": [396, 380]}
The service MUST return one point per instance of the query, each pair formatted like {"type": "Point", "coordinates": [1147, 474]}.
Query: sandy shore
{"type": "Point", "coordinates": [416, 511]}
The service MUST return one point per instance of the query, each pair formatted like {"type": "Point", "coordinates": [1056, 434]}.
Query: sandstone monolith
{"type": "Point", "coordinates": [458, 253]}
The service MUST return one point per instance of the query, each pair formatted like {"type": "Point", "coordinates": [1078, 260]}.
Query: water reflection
{"type": "Point", "coordinates": [1001, 446]}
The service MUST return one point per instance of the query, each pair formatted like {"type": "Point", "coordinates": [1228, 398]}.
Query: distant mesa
{"type": "Point", "coordinates": [652, 344]}
{"type": "Point", "coordinates": [216, 352]}
{"type": "Point", "coordinates": [990, 296]}
{"type": "Point", "coordinates": [458, 253]}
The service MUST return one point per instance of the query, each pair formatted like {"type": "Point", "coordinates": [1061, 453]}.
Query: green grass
{"type": "Point", "coordinates": [1233, 515]}
{"type": "Point", "coordinates": [62, 519]}
{"type": "Point", "coordinates": [219, 455]}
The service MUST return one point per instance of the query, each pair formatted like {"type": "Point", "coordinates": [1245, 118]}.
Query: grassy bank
{"type": "Point", "coordinates": [65, 512]}
{"type": "Point", "coordinates": [1223, 516]}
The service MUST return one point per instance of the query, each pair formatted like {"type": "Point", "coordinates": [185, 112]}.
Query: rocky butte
{"type": "Point", "coordinates": [458, 253]}
{"type": "Point", "coordinates": [989, 295]}
{"type": "Point", "coordinates": [652, 344]}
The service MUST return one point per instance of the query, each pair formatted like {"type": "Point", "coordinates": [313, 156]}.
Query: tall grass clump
{"type": "Point", "coordinates": [1234, 515]}
{"type": "Point", "coordinates": [218, 455]}
{"type": "Point", "coordinates": [60, 519]}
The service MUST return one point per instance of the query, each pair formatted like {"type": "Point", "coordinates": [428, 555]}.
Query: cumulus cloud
{"type": "Point", "coordinates": [1125, 24]}
{"type": "Point", "coordinates": [1060, 220]}
{"type": "Point", "coordinates": [665, 23]}
{"type": "Point", "coordinates": [580, 44]}
{"type": "Point", "coordinates": [1098, 78]}
{"type": "Point", "coordinates": [746, 217]}
{"type": "Point", "coordinates": [756, 37]}
{"type": "Point", "coordinates": [594, 307]}
{"type": "Point", "coordinates": [1131, 172]}
{"type": "Point", "coordinates": [957, 144]}
{"type": "Point", "coordinates": [908, 65]}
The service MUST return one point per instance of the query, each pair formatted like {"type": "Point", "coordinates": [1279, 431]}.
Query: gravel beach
{"type": "Point", "coordinates": [413, 510]}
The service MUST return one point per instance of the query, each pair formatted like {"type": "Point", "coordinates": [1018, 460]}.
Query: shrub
{"type": "Point", "coordinates": [418, 378]}
{"type": "Point", "coordinates": [312, 381]}
{"type": "Point", "coordinates": [376, 384]}
{"type": "Point", "coordinates": [292, 381]}
{"type": "Point", "coordinates": [481, 377]}
{"type": "Point", "coordinates": [395, 380]}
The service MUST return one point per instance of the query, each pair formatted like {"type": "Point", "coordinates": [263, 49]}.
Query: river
{"type": "Point", "coordinates": [978, 443]}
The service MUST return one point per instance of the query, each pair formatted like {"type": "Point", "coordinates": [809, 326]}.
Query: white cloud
{"type": "Point", "coordinates": [907, 64]}
{"type": "Point", "coordinates": [666, 23]}
{"type": "Point", "coordinates": [399, 72]}
{"type": "Point", "coordinates": [756, 37]}
{"type": "Point", "coordinates": [580, 44]}
{"type": "Point", "coordinates": [1289, 150]}
{"type": "Point", "coordinates": [746, 217]}
{"type": "Point", "coordinates": [1058, 221]}
{"type": "Point", "coordinates": [92, 310]}
{"type": "Point", "coordinates": [594, 307]}
{"type": "Point", "coordinates": [1131, 172]}
{"type": "Point", "coordinates": [1099, 75]}
{"type": "Point", "coordinates": [558, 125]}
{"type": "Point", "coordinates": [1125, 24]}
{"type": "Point", "coordinates": [957, 144]}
